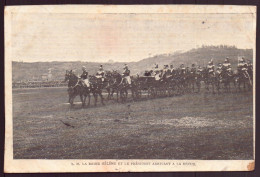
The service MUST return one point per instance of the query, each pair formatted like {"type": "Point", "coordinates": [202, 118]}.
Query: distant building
{"type": "Point", "coordinates": [47, 76]}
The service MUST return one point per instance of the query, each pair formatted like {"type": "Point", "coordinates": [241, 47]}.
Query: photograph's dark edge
{"type": "Point", "coordinates": [2, 117]}
{"type": "Point", "coordinates": [191, 174]}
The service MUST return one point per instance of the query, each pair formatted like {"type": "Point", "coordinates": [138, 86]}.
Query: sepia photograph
{"type": "Point", "coordinates": [130, 88]}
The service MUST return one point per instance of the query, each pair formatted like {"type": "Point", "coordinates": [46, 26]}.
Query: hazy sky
{"type": "Point", "coordinates": [122, 37]}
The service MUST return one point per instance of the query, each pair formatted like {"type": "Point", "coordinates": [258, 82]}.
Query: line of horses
{"type": "Point", "coordinates": [169, 84]}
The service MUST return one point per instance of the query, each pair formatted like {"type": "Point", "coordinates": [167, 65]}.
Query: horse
{"type": "Point", "coordinates": [226, 78]}
{"type": "Point", "coordinates": [75, 88]}
{"type": "Point", "coordinates": [96, 86]}
{"type": "Point", "coordinates": [194, 80]}
{"type": "Point", "coordinates": [121, 86]}
{"type": "Point", "coordinates": [243, 77]}
{"type": "Point", "coordinates": [110, 84]}
{"type": "Point", "coordinates": [210, 78]}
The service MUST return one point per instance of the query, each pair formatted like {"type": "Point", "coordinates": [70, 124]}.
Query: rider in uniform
{"type": "Point", "coordinates": [126, 74]}
{"type": "Point", "coordinates": [84, 77]}
{"type": "Point", "coordinates": [199, 70]}
{"type": "Point", "coordinates": [183, 69]}
{"type": "Point", "coordinates": [250, 68]}
{"type": "Point", "coordinates": [172, 70]}
{"type": "Point", "coordinates": [193, 69]}
{"type": "Point", "coordinates": [100, 73]}
{"type": "Point", "coordinates": [156, 72]}
{"type": "Point", "coordinates": [219, 70]}
{"type": "Point", "coordinates": [242, 65]}
{"type": "Point", "coordinates": [165, 70]}
{"type": "Point", "coordinates": [211, 67]}
{"type": "Point", "coordinates": [227, 66]}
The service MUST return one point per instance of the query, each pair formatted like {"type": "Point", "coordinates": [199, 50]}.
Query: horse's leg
{"type": "Point", "coordinates": [213, 87]}
{"type": "Point", "coordinates": [88, 99]}
{"type": "Point", "coordinates": [95, 97]}
{"type": "Point", "coordinates": [108, 93]}
{"type": "Point", "coordinates": [133, 94]}
{"type": "Point", "coordinates": [126, 94]}
{"type": "Point", "coordinates": [239, 83]}
{"type": "Point", "coordinates": [82, 100]}
{"type": "Point", "coordinates": [117, 95]}
{"type": "Point", "coordinates": [69, 98]}
{"type": "Point", "coordinates": [72, 100]}
{"type": "Point", "coordinates": [101, 97]}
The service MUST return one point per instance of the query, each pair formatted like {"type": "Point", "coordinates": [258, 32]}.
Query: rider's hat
{"type": "Point", "coordinates": [227, 59]}
{"type": "Point", "coordinates": [240, 60]}
{"type": "Point", "coordinates": [84, 68]}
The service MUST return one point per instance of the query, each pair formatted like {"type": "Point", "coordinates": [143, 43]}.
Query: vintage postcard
{"type": "Point", "coordinates": [139, 88]}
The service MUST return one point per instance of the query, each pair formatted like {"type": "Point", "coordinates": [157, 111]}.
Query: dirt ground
{"type": "Point", "coordinates": [192, 126]}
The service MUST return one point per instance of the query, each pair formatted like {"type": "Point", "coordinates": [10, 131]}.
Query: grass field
{"type": "Point", "coordinates": [192, 126]}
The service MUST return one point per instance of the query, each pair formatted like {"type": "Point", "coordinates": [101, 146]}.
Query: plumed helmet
{"type": "Point", "coordinates": [227, 59]}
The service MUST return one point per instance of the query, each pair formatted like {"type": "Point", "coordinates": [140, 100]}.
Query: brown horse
{"type": "Point", "coordinates": [75, 88]}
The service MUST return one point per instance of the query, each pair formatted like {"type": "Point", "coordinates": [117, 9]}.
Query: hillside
{"type": "Point", "coordinates": [199, 56]}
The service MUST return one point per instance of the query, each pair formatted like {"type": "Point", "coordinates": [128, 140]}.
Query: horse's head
{"type": "Point", "coordinates": [108, 74]}
{"type": "Point", "coordinates": [67, 75]}
{"type": "Point", "coordinates": [71, 77]}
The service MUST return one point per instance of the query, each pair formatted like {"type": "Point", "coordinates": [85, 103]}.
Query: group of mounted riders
{"type": "Point", "coordinates": [157, 81]}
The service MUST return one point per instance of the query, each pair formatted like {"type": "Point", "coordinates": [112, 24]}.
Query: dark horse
{"type": "Point", "coordinates": [227, 77]}
{"type": "Point", "coordinates": [76, 88]}
{"type": "Point", "coordinates": [120, 86]}
{"type": "Point", "coordinates": [244, 78]}
{"type": "Point", "coordinates": [96, 86]}
{"type": "Point", "coordinates": [210, 79]}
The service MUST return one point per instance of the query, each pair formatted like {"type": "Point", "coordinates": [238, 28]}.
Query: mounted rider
{"type": "Point", "coordinates": [166, 71]}
{"type": "Point", "coordinates": [126, 74]}
{"type": "Point", "coordinates": [211, 67]}
{"type": "Point", "coordinates": [84, 77]}
{"type": "Point", "coordinates": [219, 69]}
{"type": "Point", "coordinates": [249, 65]}
{"type": "Point", "coordinates": [250, 68]}
{"type": "Point", "coordinates": [172, 70]}
{"type": "Point", "coordinates": [199, 70]}
{"type": "Point", "coordinates": [227, 66]}
{"type": "Point", "coordinates": [193, 69]}
{"type": "Point", "coordinates": [242, 65]}
{"type": "Point", "coordinates": [183, 69]}
{"type": "Point", "coordinates": [100, 73]}
{"type": "Point", "coordinates": [156, 72]}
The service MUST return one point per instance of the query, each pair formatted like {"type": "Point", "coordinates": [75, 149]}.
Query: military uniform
{"type": "Point", "coordinates": [242, 65]}
{"type": "Point", "coordinates": [126, 74]}
{"type": "Point", "coordinates": [211, 67]}
{"type": "Point", "coordinates": [183, 69]}
{"type": "Point", "coordinates": [193, 69]}
{"type": "Point", "coordinates": [219, 69]}
{"type": "Point", "coordinates": [84, 77]}
{"type": "Point", "coordinates": [199, 70]}
{"type": "Point", "coordinates": [172, 70]}
{"type": "Point", "coordinates": [227, 65]}
{"type": "Point", "coordinates": [100, 73]}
